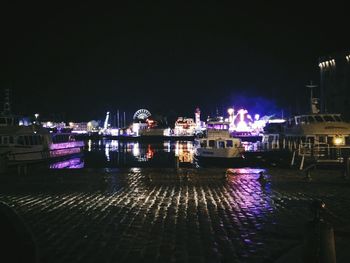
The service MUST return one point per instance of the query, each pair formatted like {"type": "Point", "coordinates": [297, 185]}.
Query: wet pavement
{"type": "Point", "coordinates": [163, 215]}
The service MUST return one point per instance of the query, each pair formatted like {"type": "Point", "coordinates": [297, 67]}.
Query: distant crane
{"type": "Point", "coordinates": [105, 125]}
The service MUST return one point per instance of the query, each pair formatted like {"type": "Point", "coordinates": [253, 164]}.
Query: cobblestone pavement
{"type": "Point", "coordinates": [159, 215]}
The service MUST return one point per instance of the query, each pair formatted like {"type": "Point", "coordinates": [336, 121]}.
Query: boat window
{"type": "Point", "coordinates": [31, 141]}
{"type": "Point", "coordinates": [347, 140]}
{"type": "Point", "coordinates": [26, 139]}
{"type": "Point", "coordinates": [229, 143]}
{"type": "Point", "coordinates": [0, 139]}
{"type": "Point", "coordinates": [20, 140]}
{"type": "Point", "coordinates": [11, 139]}
{"type": "Point", "coordinates": [5, 140]}
{"type": "Point", "coordinates": [40, 139]}
{"type": "Point", "coordinates": [328, 118]}
{"type": "Point", "coordinates": [337, 118]}
{"type": "Point", "coordinates": [211, 143]}
{"type": "Point", "coordinates": [321, 139]}
{"type": "Point", "coordinates": [2, 121]}
{"type": "Point", "coordinates": [221, 144]}
{"type": "Point", "coordinates": [303, 119]}
{"type": "Point", "coordinates": [204, 144]}
{"type": "Point", "coordinates": [311, 140]}
{"type": "Point", "coordinates": [310, 119]}
{"type": "Point", "coordinates": [330, 140]}
{"type": "Point", "coordinates": [318, 118]}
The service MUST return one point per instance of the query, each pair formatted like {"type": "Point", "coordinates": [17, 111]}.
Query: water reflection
{"type": "Point", "coordinates": [142, 154]}
{"type": "Point", "coordinates": [74, 163]}
{"type": "Point", "coordinates": [89, 145]}
{"type": "Point", "coordinates": [185, 151]}
{"type": "Point", "coordinates": [114, 153]}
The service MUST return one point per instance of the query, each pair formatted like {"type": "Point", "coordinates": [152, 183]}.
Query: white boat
{"type": "Point", "coordinates": [34, 143]}
{"type": "Point", "coordinates": [318, 135]}
{"type": "Point", "coordinates": [324, 138]}
{"type": "Point", "coordinates": [218, 144]}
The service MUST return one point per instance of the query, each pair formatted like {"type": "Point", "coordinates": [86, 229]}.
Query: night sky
{"type": "Point", "coordinates": [80, 60]}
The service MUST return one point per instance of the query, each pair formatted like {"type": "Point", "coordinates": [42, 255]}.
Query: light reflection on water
{"type": "Point", "coordinates": [74, 163]}
{"type": "Point", "coordinates": [114, 153]}
{"type": "Point", "coordinates": [132, 154]}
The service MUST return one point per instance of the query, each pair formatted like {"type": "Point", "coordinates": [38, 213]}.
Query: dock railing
{"type": "Point", "coordinates": [324, 152]}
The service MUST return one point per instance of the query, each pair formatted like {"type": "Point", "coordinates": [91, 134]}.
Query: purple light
{"type": "Point", "coordinates": [65, 145]}
{"type": "Point", "coordinates": [66, 148]}
{"type": "Point", "coordinates": [75, 163]}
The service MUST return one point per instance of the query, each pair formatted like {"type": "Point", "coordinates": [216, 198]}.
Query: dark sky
{"type": "Point", "coordinates": [81, 60]}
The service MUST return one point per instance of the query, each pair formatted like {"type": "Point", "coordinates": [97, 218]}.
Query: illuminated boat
{"type": "Point", "coordinates": [34, 143]}
{"type": "Point", "coordinates": [218, 145]}
{"type": "Point", "coordinates": [318, 135]}
{"type": "Point", "coordinates": [324, 138]}
{"type": "Point", "coordinates": [184, 127]}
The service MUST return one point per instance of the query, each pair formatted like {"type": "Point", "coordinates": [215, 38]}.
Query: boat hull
{"type": "Point", "coordinates": [39, 154]}
{"type": "Point", "coordinates": [232, 162]}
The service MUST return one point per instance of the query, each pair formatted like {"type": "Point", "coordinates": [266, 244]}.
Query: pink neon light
{"type": "Point", "coordinates": [65, 145]}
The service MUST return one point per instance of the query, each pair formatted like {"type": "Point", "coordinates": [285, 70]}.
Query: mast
{"type": "Point", "coordinates": [118, 126]}
{"type": "Point", "coordinates": [313, 101]}
{"type": "Point", "coordinates": [124, 120]}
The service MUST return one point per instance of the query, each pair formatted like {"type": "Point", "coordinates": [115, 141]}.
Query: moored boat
{"type": "Point", "coordinates": [218, 147]}
{"type": "Point", "coordinates": [34, 143]}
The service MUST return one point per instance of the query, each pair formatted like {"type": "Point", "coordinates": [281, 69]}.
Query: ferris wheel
{"type": "Point", "coordinates": [141, 114]}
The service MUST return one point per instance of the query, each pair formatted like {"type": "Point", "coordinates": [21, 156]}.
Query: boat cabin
{"type": "Point", "coordinates": [219, 143]}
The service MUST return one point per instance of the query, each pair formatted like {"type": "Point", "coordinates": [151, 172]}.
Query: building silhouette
{"type": "Point", "coordinates": [335, 83]}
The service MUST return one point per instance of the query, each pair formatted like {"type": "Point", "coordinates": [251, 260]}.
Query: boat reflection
{"type": "Point", "coordinates": [184, 150]}
{"type": "Point", "coordinates": [74, 163]}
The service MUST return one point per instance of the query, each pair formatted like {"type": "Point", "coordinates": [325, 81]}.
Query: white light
{"type": "Point", "coordinates": [277, 121]}
{"type": "Point", "coordinates": [338, 141]}
{"type": "Point", "coordinates": [136, 150]}
{"type": "Point", "coordinates": [89, 146]}
{"type": "Point", "coordinates": [136, 128]}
